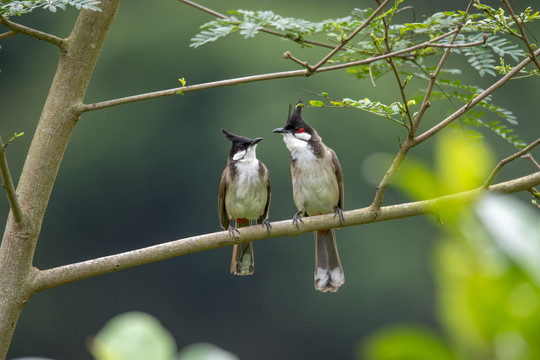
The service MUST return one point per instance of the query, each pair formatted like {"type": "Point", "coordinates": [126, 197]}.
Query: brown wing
{"type": "Point", "coordinates": [222, 211]}
{"type": "Point", "coordinates": [339, 176]}
{"type": "Point", "coordinates": [265, 175]}
{"type": "Point", "coordinates": [291, 171]}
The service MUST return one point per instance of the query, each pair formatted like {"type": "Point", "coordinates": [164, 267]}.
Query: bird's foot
{"type": "Point", "coordinates": [297, 218]}
{"type": "Point", "coordinates": [232, 229]}
{"type": "Point", "coordinates": [266, 223]}
{"type": "Point", "coordinates": [339, 213]}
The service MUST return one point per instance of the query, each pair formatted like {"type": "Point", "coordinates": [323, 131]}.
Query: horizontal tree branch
{"type": "Point", "coordinates": [191, 88]}
{"type": "Point", "coordinates": [46, 279]}
{"type": "Point", "coordinates": [31, 32]}
{"type": "Point", "coordinates": [252, 78]}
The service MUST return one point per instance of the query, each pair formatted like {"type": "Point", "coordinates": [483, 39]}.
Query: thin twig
{"type": "Point", "coordinates": [7, 184]}
{"type": "Point", "coordinates": [205, 9]}
{"type": "Point", "coordinates": [508, 29]}
{"type": "Point", "coordinates": [522, 21]}
{"type": "Point", "coordinates": [191, 88]}
{"type": "Point", "coordinates": [480, 97]}
{"type": "Point", "coordinates": [385, 182]}
{"type": "Point", "coordinates": [8, 34]}
{"type": "Point", "coordinates": [400, 53]}
{"type": "Point", "coordinates": [530, 157]}
{"type": "Point", "coordinates": [433, 76]}
{"type": "Point", "coordinates": [509, 159]}
{"type": "Point", "coordinates": [397, 77]}
{"type": "Point", "coordinates": [352, 107]}
{"type": "Point", "coordinates": [471, 44]}
{"type": "Point", "coordinates": [410, 141]}
{"type": "Point", "coordinates": [46, 279]}
{"type": "Point", "coordinates": [371, 77]}
{"type": "Point", "coordinates": [32, 32]}
{"type": "Point", "coordinates": [253, 78]}
{"type": "Point", "coordinates": [288, 55]}
{"type": "Point", "coordinates": [268, 31]}
{"type": "Point", "coordinates": [523, 34]}
{"type": "Point", "coordinates": [352, 35]}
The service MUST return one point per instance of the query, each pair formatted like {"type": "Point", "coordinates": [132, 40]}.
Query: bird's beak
{"type": "Point", "coordinates": [256, 140]}
{"type": "Point", "coordinates": [279, 130]}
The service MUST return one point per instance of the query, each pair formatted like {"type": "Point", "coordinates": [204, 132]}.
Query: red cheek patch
{"type": "Point", "coordinates": [301, 130]}
{"type": "Point", "coordinates": [241, 220]}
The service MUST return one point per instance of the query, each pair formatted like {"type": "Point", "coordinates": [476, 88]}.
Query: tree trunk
{"type": "Point", "coordinates": [78, 56]}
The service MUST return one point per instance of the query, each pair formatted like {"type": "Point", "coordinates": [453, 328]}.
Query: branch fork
{"type": "Point", "coordinates": [7, 184]}
{"type": "Point", "coordinates": [305, 64]}
{"type": "Point", "coordinates": [40, 35]}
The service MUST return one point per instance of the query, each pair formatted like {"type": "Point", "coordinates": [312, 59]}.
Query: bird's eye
{"type": "Point", "coordinates": [300, 130]}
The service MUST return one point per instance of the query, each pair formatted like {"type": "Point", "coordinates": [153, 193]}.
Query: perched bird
{"type": "Point", "coordinates": [317, 183]}
{"type": "Point", "coordinates": [244, 195]}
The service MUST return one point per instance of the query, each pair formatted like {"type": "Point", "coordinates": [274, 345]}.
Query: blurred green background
{"type": "Point", "coordinates": [148, 172]}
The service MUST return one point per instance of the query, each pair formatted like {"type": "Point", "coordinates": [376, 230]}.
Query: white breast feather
{"type": "Point", "coordinates": [247, 198]}
{"type": "Point", "coordinates": [314, 182]}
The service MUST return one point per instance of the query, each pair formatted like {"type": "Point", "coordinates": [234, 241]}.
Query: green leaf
{"type": "Point", "coordinates": [205, 351]}
{"type": "Point", "coordinates": [516, 229]}
{"type": "Point", "coordinates": [532, 16]}
{"type": "Point", "coordinates": [183, 82]}
{"type": "Point", "coordinates": [489, 294]}
{"type": "Point", "coordinates": [405, 342]}
{"type": "Point", "coordinates": [463, 164]}
{"type": "Point", "coordinates": [19, 7]}
{"type": "Point", "coordinates": [15, 136]}
{"type": "Point", "coordinates": [133, 336]}
{"type": "Point", "coordinates": [316, 103]}
{"type": "Point", "coordinates": [417, 180]}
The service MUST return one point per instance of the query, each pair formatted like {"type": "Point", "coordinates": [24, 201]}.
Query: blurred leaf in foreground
{"type": "Point", "coordinates": [205, 351]}
{"type": "Point", "coordinates": [133, 336]}
{"type": "Point", "coordinates": [403, 342]}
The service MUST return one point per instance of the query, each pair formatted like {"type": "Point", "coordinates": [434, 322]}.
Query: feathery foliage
{"type": "Point", "coordinates": [492, 58]}
{"type": "Point", "coordinates": [17, 7]}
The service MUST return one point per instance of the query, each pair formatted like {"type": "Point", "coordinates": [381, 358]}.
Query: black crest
{"type": "Point", "coordinates": [239, 143]}
{"type": "Point", "coordinates": [236, 138]}
{"type": "Point", "coordinates": [295, 120]}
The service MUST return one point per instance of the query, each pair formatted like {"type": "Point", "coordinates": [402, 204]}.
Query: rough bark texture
{"type": "Point", "coordinates": [62, 109]}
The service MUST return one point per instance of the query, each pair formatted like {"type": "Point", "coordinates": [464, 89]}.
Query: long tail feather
{"type": "Point", "coordinates": [242, 262]}
{"type": "Point", "coordinates": [329, 274]}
